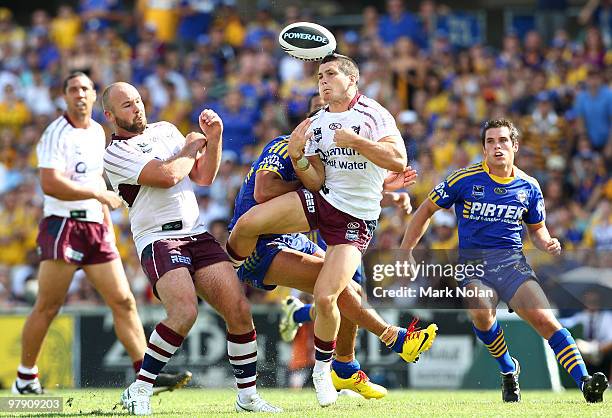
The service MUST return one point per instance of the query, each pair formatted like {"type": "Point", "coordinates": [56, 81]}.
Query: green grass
{"type": "Point", "coordinates": [413, 403]}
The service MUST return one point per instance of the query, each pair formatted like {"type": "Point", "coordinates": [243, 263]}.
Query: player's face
{"type": "Point", "coordinates": [333, 84]}
{"type": "Point", "coordinates": [80, 96]}
{"type": "Point", "coordinates": [316, 103]}
{"type": "Point", "coordinates": [499, 149]}
{"type": "Point", "coordinates": [128, 110]}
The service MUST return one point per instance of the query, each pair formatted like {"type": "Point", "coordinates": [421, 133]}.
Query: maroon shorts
{"type": "Point", "coordinates": [193, 253]}
{"type": "Point", "coordinates": [336, 227]}
{"type": "Point", "coordinates": [74, 241]}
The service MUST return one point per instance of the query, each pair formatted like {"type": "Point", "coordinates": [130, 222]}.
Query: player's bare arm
{"type": "Point", "coordinates": [397, 199]}
{"type": "Point", "coordinates": [309, 170]}
{"type": "Point", "coordinates": [389, 152]}
{"type": "Point", "coordinates": [269, 184]}
{"type": "Point", "coordinates": [207, 165]}
{"type": "Point", "coordinates": [543, 241]}
{"type": "Point", "coordinates": [55, 184]}
{"type": "Point", "coordinates": [165, 174]}
{"type": "Point", "coordinates": [418, 224]}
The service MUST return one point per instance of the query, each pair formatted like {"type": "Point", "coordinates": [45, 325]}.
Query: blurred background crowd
{"type": "Point", "coordinates": [429, 64]}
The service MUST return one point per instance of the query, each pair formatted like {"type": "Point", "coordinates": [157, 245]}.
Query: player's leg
{"type": "Point", "coordinates": [283, 214]}
{"type": "Point", "coordinates": [54, 277]}
{"type": "Point", "coordinates": [531, 304]}
{"type": "Point", "coordinates": [177, 293]}
{"type": "Point", "coordinates": [110, 281]}
{"type": "Point", "coordinates": [482, 311]}
{"type": "Point", "coordinates": [219, 286]}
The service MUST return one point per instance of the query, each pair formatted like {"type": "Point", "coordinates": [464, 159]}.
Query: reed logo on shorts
{"type": "Point", "coordinates": [73, 254]}
{"type": "Point", "coordinates": [180, 259]}
{"type": "Point", "coordinates": [310, 204]}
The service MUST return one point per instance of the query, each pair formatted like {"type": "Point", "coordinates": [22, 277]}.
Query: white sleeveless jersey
{"type": "Point", "coordinates": [77, 154]}
{"type": "Point", "coordinates": [353, 184]}
{"type": "Point", "coordinates": [155, 213]}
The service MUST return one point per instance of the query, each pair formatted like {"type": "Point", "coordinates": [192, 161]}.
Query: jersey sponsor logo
{"type": "Point", "coordinates": [333, 126]}
{"type": "Point", "coordinates": [180, 259]}
{"type": "Point", "coordinates": [317, 134]}
{"type": "Point", "coordinates": [500, 190]}
{"type": "Point", "coordinates": [310, 204]}
{"type": "Point", "coordinates": [477, 191]}
{"type": "Point", "coordinates": [145, 147]}
{"type": "Point", "coordinates": [272, 159]}
{"type": "Point", "coordinates": [521, 195]}
{"type": "Point", "coordinates": [439, 189]}
{"type": "Point", "coordinates": [352, 225]}
{"type": "Point", "coordinates": [352, 235]}
{"type": "Point", "coordinates": [80, 167]}
{"type": "Point", "coordinates": [491, 212]}
{"type": "Point", "coordinates": [356, 129]}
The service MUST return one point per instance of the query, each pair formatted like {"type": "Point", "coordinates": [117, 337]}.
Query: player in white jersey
{"type": "Point", "coordinates": [341, 155]}
{"type": "Point", "coordinates": [77, 231]}
{"type": "Point", "coordinates": [153, 168]}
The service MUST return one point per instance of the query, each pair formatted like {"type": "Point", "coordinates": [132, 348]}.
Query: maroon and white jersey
{"type": "Point", "coordinates": [353, 184]}
{"type": "Point", "coordinates": [155, 213]}
{"type": "Point", "coordinates": [77, 154]}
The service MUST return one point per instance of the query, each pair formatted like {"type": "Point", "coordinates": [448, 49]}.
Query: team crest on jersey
{"type": "Point", "coordinates": [356, 129]}
{"type": "Point", "coordinates": [477, 191]}
{"type": "Point", "coordinates": [145, 147]}
{"type": "Point", "coordinates": [334, 126]}
{"type": "Point", "coordinates": [521, 195]}
{"type": "Point", "coordinates": [317, 135]}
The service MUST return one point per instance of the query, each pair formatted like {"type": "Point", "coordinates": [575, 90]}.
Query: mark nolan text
{"type": "Point", "coordinates": [430, 292]}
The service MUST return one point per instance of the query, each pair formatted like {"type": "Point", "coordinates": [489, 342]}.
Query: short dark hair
{"type": "Point", "coordinates": [76, 74]}
{"type": "Point", "coordinates": [346, 64]}
{"type": "Point", "coordinates": [499, 123]}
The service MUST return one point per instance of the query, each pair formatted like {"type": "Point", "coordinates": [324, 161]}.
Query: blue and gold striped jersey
{"type": "Point", "coordinates": [274, 158]}
{"type": "Point", "coordinates": [490, 209]}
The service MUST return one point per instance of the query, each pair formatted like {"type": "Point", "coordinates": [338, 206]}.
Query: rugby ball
{"type": "Point", "coordinates": [307, 41]}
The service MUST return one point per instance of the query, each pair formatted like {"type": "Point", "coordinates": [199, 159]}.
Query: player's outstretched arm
{"type": "Point", "coordinates": [207, 165]}
{"type": "Point", "coordinates": [268, 185]}
{"type": "Point", "coordinates": [418, 224]}
{"type": "Point", "coordinates": [54, 183]}
{"type": "Point", "coordinates": [165, 174]}
{"type": "Point", "coordinates": [542, 240]}
{"type": "Point", "coordinates": [388, 152]}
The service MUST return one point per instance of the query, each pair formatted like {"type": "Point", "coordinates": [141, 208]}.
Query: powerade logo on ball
{"type": "Point", "coordinates": [304, 37]}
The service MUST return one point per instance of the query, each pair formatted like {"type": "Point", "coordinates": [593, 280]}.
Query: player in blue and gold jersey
{"type": "Point", "coordinates": [294, 261]}
{"type": "Point", "coordinates": [492, 200]}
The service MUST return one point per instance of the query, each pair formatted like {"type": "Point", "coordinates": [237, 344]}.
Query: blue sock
{"type": "Point", "coordinates": [398, 345]}
{"type": "Point", "coordinates": [345, 370]}
{"type": "Point", "coordinates": [303, 314]}
{"type": "Point", "coordinates": [567, 355]}
{"type": "Point", "coordinates": [496, 344]}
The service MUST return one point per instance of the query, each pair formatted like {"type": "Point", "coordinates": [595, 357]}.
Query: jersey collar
{"type": "Point", "coordinates": [498, 179]}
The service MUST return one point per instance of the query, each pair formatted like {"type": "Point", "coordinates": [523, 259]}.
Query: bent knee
{"type": "Point", "coordinates": [125, 303]}
{"type": "Point", "coordinates": [184, 316]}
{"type": "Point", "coordinates": [239, 315]}
{"type": "Point", "coordinates": [483, 319]}
{"type": "Point", "coordinates": [325, 304]}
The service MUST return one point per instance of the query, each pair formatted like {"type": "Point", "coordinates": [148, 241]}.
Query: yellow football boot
{"type": "Point", "coordinates": [417, 341]}
{"type": "Point", "coordinates": [359, 383]}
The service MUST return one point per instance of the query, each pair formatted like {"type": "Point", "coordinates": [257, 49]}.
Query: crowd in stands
{"type": "Point", "coordinates": [187, 55]}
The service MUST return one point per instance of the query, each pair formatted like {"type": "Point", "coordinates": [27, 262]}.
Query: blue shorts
{"type": "Point", "coordinates": [504, 272]}
{"type": "Point", "coordinates": [254, 269]}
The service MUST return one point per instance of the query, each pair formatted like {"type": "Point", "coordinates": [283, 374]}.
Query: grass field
{"type": "Point", "coordinates": [202, 403]}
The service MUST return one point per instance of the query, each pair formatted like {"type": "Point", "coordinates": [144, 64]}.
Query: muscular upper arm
{"type": "Point", "coordinates": [429, 207]}
{"type": "Point", "coordinates": [154, 175]}
{"type": "Point", "coordinates": [396, 141]}
{"type": "Point", "coordinates": [264, 182]}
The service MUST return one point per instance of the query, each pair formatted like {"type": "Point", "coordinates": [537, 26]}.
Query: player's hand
{"type": "Point", "coordinates": [106, 197]}
{"type": "Point", "coordinates": [396, 181]}
{"type": "Point", "coordinates": [298, 138]}
{"type": "Point", "coordinates": [553, 247]}
{"type": "Point", "coordinates": [402, 201]}
{"type": "Point", "coordinates": [345, 137]}
{"type": "Point", "coordinates": [211, 124]}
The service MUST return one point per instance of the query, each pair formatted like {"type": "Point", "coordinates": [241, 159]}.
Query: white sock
{"type": "Point", "coordinates": [26, 370]}
{"type": "Point", "coordinates": [244, 394]}
{"type": "Point", "coordinates": [322, 366]}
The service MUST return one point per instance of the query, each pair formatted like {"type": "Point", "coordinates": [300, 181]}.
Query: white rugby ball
{"type": "Point", "coordinates": [307, 41]}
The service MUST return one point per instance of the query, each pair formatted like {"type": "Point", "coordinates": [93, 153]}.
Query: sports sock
{"type": "Point", "coordinates": [323, 354]}
{"type": "Point", "coordinates": [567, 355]}
{"type": "Point", "coordinates": [303, 314]}
{"type": "Point", "coordinates": [398, 342]}
{"type": "Point", "coordinates": [242, 353]}
{"type": "Point", "coordinates": [495, 342]}
{"type": "Point", "coordinates": [26, 375]}
{"type": "Point", "coordinates": [235, 259]}
{"type": "Point", "coordinates": [163, 343]}
{"type": "Point", "coordinates": [345, 370]}
{"type": "Point", "coordinates": [137, 365]}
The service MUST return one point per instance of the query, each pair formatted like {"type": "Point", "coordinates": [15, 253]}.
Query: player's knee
{"type": "Point", "coordinates": [483, 319]}
{"type": "Point", "coordinates": [183, 317]}
{"type": "Point", "coordinates": [47, 309]}
{"type": "Point", "coordinates": [241, 315]}
{"type": "Point", "coordinates": [545, 325]}
{"type": "Point", "coordinates": [325, 304]}
{"type": "Point", "coordinates": [123, 304]}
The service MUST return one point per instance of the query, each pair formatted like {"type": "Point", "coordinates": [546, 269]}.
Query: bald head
{"type": "Point", "coordinates": [123, 107]}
